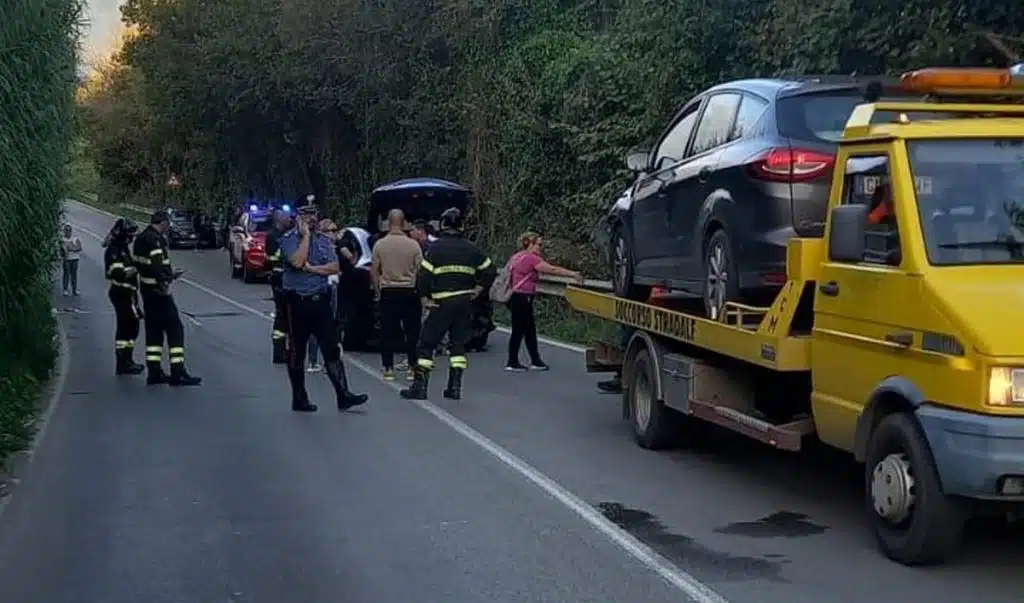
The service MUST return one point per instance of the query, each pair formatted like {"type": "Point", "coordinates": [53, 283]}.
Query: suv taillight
{"type": "Point", "coordinates": [792, 165]}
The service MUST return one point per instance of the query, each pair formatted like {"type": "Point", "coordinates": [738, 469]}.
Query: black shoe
{"type": "Point", "coordinates": [454, 389]}
{"type": "Point", "coordinates": [611, 386]}
{"type": "Point", "coordinates": [124, 365]}
{"type": "Point", "coordinates": [181, 378]}
{"type": "Point", "coordinates": [303, 406]}
{"type": "Point", "coordinates": [346, 398]}
{"type": "Point", "coordinates": [159, 378]}
{"type": "Point", "coordinates": [420, 384]}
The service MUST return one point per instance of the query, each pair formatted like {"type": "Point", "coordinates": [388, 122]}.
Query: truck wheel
{"type": "Point", "coordinates": [622, 268]}
{"type": "Point", "coordinates": [655, 426]}
{"type": "Point", "coordinates": [914, 521]}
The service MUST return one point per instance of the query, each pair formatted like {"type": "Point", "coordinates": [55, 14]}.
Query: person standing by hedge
{"type": "Point", "coordinates": [525, 268]}
{"type": "Point", "coordinates": [70, 253]}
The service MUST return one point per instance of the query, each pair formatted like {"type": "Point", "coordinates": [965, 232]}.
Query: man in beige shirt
{"type": "Point", "coordinates": [396, 261]}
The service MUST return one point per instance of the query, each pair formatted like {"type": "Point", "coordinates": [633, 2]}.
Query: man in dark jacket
{"type": "Point", "coordinates": [152, 257]}
{"type": "Point", "coordinates": [453, 273]}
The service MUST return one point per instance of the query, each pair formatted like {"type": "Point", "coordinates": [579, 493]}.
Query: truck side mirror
{"type": "Point", "coordinates": [637, 161]}
{"type": "Point", "coordinates": [846, 233]}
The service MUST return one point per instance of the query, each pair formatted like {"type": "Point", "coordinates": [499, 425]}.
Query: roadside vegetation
{"type": "Point", "coordinates": [37, 81]}
{"type": "Point", "coordinates": [532, 104]}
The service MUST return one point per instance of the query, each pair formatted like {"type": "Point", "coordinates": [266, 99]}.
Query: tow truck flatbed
{"type": "Point", "coordinates": [768, 337]}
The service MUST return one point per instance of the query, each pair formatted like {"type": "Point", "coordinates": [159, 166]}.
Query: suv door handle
{"type": "Point", "coordinates": [902, 338]}
{"type": "Point", "coordinates": [830, 288]}
{"type": "Point", "coordinates": [704, 174]}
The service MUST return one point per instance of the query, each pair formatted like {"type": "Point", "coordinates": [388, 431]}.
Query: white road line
{"type": "Point", "coordinates": [695, 590]}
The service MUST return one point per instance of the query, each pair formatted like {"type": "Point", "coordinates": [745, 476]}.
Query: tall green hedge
{"type": "Point", "coordinates": [37, 82]}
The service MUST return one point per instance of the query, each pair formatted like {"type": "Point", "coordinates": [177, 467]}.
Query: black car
{"type": "Point", "coordinates": [182, 233]}
{"type": "Point", "coordinates": [420, 199]}
{"type": "Point", "coordinates": [741, 168]}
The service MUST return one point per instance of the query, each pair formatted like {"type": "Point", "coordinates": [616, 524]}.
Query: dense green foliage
{"type": "Point", "coordinates": [37, 82]}
{"type": "Point", "coordinates": [533, 104]}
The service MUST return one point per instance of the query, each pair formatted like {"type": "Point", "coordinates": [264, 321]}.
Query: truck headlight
{"type": "Point", "coordinates": [1006, 386]}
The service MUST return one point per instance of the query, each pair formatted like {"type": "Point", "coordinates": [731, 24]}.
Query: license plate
{"type": "Point", "coordinates": [866, 185]}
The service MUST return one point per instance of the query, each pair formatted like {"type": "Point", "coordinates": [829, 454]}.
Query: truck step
{"type": "Point", "coordinates": [785, 436]}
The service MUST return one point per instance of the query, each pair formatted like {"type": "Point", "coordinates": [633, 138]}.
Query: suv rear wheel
{"type": "Point", "coordinates": [621, 255]}
{"type": "Point", "coordinates": [721, 281]}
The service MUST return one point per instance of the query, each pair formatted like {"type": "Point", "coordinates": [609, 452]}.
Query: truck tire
{"type": "Point", "coordinates": [914, 522]}
{"type": "Point", "coordinates": [655, 426]}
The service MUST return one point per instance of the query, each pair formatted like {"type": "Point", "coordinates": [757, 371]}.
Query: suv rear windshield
{"type": "Point", "coordinates": [972, 212]}
{"type": "Point", "coordinates": [822, 116]}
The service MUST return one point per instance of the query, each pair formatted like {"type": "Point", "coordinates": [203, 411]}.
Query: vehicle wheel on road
{"type": "Point", "coordinates": [914, 522]}
{"type": "Point", "coordinates": [622, 269]}
{"type": "Point", "coordinates": [655, 425]}
{"type": "Point", "coordinates": [721, 280]}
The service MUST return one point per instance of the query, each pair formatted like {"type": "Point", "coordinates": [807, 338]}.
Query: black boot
{"type": "Point", "coordinates": [611, 386]}
{"type": "Point", "coordinates": [123, 363]}
{"type": "Point", "coordinates": [300, 399]}
{"type": "Point", "coordinates": [454, 389]}
{"type": "Point", "coordinates": [420, 384]}
{"type": "Point", "coordinates": [346, 398]}
{"type": "Point", "coordinates": [278, 351]}
{"type": "Point", "coordinates": [155, 374]}
{"type": "Point", "coordinates": [181, 378]}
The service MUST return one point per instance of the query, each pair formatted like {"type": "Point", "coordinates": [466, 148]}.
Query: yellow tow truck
{"type": "Point", "coordinates": [898, 336]}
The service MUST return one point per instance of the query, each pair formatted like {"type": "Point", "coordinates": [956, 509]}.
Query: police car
{"type": "Point", "coordinates": [247, 242]}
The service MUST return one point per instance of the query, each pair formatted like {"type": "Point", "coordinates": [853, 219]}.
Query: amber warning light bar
{"type": "Point", "coordinates": [974, 80]}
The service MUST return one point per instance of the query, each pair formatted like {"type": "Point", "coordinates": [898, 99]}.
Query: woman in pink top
{"type": "Point", "coordinates": [524, 269]}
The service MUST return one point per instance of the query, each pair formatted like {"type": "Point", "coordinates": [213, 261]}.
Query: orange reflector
{"type": "Point", "coordinates": [939, 78]}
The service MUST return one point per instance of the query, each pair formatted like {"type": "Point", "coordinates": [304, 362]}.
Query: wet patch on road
{"type": "Point", "coordinates": [783, 524]}
{"type": "Point", "coordinates": [687, 552]}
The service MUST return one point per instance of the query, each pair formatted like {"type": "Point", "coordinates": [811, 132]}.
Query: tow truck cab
{"type": "Point", "coordinates": [896, 336]}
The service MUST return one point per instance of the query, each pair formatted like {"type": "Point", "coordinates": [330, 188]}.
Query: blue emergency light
{"type": "Point", "coordinates": [286, 207]}
{"type": "Point", "coordinates": [254, 208]}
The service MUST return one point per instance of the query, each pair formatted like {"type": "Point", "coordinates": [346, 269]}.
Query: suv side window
{"type": "Point", "coordinates": [716, 124]}
{"type": "Point", "coordinates": [867, 182]}
{"type": "Point", "coordinates": [673, 146]}
{"type": "Point", "coordinates": [751, 108]}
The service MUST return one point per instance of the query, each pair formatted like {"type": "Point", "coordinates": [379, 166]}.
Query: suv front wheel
{"type": "Point", "coordinates": [621, 255]}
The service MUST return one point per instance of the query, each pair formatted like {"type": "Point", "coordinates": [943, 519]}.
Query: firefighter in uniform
{"type": "Point", "coordinates": [278, 335]}
{"type": "Point", "coordinates": [309, 259]}
{"type": "Point", "coordinates": [152, 258]}
{"type": "Point", "coordinates": [454, 271]}
{"type": "Point", "coordinates": [123, 294]}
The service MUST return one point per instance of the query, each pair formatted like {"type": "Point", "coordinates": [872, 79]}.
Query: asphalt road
{"type": "Point", "coordinates": [222, 494]}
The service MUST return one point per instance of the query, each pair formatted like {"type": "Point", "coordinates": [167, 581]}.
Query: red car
{"type": "Point", "coordinates": [247, 245]}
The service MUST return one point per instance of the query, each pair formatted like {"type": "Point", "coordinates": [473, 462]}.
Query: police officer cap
{"type": "Point", "coordinates": [307, 205]}
{"type": "Point", "coordinates": [159, 216]}
{"type": "Point", "coordinates": [451, 219]}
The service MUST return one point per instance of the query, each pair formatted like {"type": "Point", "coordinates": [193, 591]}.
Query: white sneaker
{"type": "Point", "coordinates": [313, 368]}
